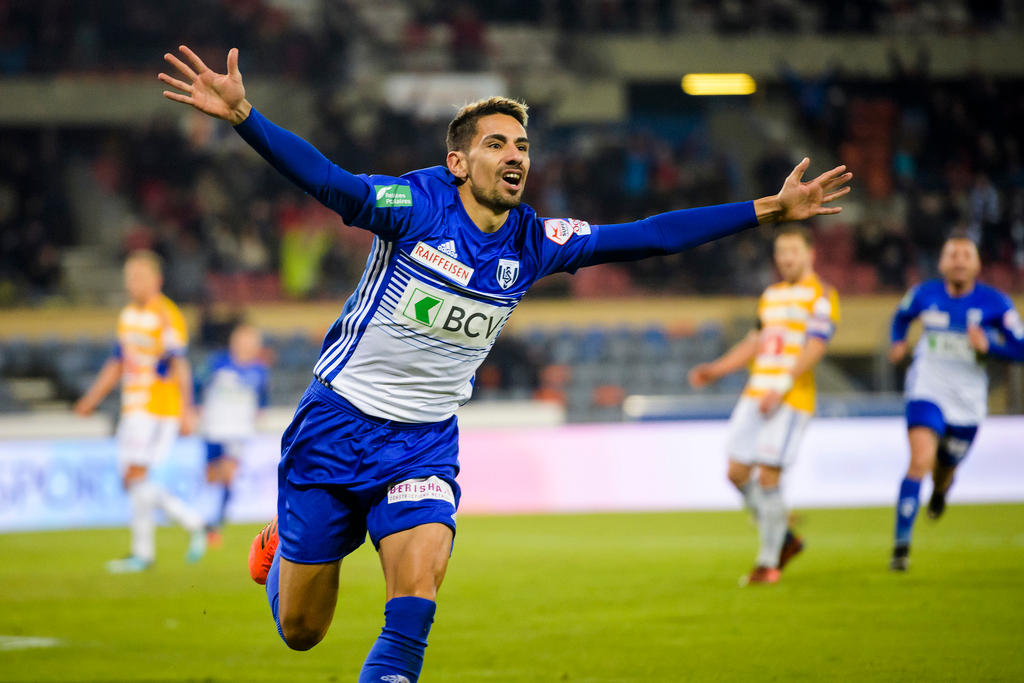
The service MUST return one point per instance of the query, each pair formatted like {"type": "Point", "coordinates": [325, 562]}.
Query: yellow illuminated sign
{"type": "Point", "coordinates": [718, 84]}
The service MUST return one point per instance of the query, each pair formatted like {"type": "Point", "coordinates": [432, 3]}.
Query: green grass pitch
{"type": "Point", "coordinates": [632, 597]}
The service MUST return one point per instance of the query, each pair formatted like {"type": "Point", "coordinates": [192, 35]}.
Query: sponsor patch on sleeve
{"type": "Point", "coordinates": [389, 196]}
{"type": "Point", "coordinates": [559, 230]}
{"type": "Point", "coordinates": [1013, 324]}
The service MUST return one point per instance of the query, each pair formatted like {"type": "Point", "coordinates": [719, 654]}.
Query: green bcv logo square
{"type": "Point", "coordinates": [393, 195]}
{"type": "Point", "coordinates": [422, 307]}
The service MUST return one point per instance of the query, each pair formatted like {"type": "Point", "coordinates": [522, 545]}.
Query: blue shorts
{"type": "Point", "coordinates": [344, 473]}
{"type": "Point", "coordinates": [954, 440]}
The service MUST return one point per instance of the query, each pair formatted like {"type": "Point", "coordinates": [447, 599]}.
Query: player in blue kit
{"type": "Point", "coordinates": [234, 389]}
{"type": "Point", "coordinates": [964, 321]}
{"type": "Point", "coordinates": [373, 446]}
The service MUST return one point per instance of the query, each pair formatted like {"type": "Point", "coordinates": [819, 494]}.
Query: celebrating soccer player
{"type": "Point", "coordinates": [373, 446]}
{"type": "Point", "coordinates": [796, 319]}
{"type": "Point", "coordinates": [156, 402]}
{"type": "Point", "coordinates": [946, 388]}
{"type": "Point", "coordinates": [234, 391]}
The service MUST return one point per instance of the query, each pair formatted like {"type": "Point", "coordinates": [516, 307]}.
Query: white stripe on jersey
{"type": "Point", "coordinates": [330, 358]}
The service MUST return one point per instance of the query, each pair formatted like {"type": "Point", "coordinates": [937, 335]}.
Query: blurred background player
{"type": "Point", "coordinates": [947, 385]}
{"type": "Point", "coordinates": [234, 390]}
{"type": "Point", "coordinates": [796, 319]}
{"type": "Point", "coordinates": [156, 403]}
{"type": "Point", "coordinates": [373, 446]}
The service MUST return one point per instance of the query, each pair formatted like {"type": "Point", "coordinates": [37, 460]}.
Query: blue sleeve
{"type": "Point", "coordinates": [1008, 344]}
{"type": "Point", "coordinates": [381, 204]}
{"type": "Point", "coordinates": [668, 233]}
{"type": "Point", "coordinates": [564, 245]}
{"type": "Point", "coordinates": [908, 310]}
{"type": "Point", "coordinates": [116, 353]}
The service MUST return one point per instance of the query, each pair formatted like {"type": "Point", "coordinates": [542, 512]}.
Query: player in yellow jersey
{"type": "Point", "coordinates": [796, 319]}
{"type": "Point", "coordinates": [156, 403]}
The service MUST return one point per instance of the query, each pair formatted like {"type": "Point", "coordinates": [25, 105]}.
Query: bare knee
{"type": "Point", "coordinates": [738, 474]}
{"type": "Point", "coordinates": [769, 477]}
{"type": "Point", "coordinates": [924, 445]}
{"type": "Point", "coordinates": [300, 633]}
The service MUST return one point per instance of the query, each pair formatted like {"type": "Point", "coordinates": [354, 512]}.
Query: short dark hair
{"type": "Point", "coordinates": [958, 235]}
{"type": "Point", "coordinates": [797, 229]}
{"type": "Point", "coordinates": [463, 127]}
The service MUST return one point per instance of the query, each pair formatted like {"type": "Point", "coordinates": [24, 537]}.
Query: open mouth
{"type": "Point", "coordinates": [513, 178]}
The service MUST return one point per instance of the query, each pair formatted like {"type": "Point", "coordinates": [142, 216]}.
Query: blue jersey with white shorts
{"type": "Point", "coordinates": [946, 384]}
{"type": "Point", "coordinates": [374, 443]}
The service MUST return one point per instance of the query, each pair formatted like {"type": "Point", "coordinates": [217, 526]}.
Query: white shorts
{"type": "Point", "coordinates": [145, 439]}
{"type": "Point", "coordinates": [755, 439]}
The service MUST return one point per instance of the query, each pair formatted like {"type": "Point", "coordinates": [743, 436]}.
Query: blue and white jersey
{"type": "Point", "coordinates": [232, 395]}
{"type": "Point", "coordinates": [946, 369]}
{"type": "Point", "coordinates": [435, 294]}
{"type": "Point", "coordinates": [437, 290]}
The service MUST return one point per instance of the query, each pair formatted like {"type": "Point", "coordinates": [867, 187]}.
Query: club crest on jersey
{"type": "Point", "coordinates": [508, 272]}
{"type": "Point", "coordinates": [559, 230]}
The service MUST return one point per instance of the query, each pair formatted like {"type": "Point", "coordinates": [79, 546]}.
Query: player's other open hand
{"type": "Point", "coordinates": [799, 200]}
{"type": "Point", "coordinates": [219, 95]}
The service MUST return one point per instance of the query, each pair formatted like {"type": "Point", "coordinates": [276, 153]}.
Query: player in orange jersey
{"type": "Point", "coordinates": [796, 319]}
{"type": "Point", "coordinates": [156, 403]}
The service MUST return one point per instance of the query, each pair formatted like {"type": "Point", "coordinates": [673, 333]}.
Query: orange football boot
{"type": "Point", "coordinates": [761, 575]}
{"type": "Point", "coordinates": [261, 552]}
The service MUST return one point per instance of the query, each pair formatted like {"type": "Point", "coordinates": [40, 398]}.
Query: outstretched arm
{"type": "Point", "coordinates": [223, 96]}
{"type": "Point", "coordinates": [219, 95]}
{"type": "Point", "coordinates": [105, 382]}
{"type": "Point", "coordinates": [181, 371]}
{"type": "Point", "coordinates": [901, 320]}
{"type": "Point", "coordinates": [671, 232]}
{"type": "Point", "coordinates": [736, 358]}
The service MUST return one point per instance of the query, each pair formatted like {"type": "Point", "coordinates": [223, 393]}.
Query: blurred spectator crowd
{"type": "Point", "coordinates": [930, 156]}
{"type": "Point", "coordinates": [46, 36]}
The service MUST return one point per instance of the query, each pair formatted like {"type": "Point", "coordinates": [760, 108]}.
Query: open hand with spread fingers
{"type": "Point", "coordinates": [219, 95]}
{"type": "Point", "coordinates": [799, 200]}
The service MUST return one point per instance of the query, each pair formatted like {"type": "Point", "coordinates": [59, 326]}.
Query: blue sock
{"type": "Point", "coordinates": [906, 510]}
{"type": "Point", "coordinates": [273, 592]}
{"type": "Point", "coordinates": [225, 496]}
{"type": "Point", "coordinates": [398, 653]}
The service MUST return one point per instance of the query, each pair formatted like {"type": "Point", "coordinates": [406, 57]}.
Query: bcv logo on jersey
{"type": "Point", "coordinates": [449, 317]}
{"type": "Point", "coordinates": [508, 272]}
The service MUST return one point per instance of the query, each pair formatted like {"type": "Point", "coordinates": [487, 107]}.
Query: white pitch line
{"type": "Point", "coordinates": [9, 643]}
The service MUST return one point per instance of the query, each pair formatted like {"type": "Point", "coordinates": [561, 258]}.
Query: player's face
{"type": "Point", "coordinates": [142, 281]}
{"type": "Point", "coordinates": [793, 257]}
{"type": "Point", "coordinates": [246, 344]}
{"type": "Point", "coordinates": [959, 262]}
{"type": "Point", "coordinates": [497, 162]}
